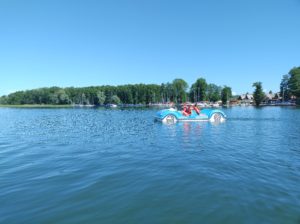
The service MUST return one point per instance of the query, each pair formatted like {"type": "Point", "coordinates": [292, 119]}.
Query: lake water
{"type": "Point", "coordinates": [119, 166]}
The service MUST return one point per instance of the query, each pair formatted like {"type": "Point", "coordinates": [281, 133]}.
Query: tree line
{"type": "Point", "coordinates": [177, 91]}
{"type": "Point", "coordinates": [290, 85]}
{"type": "Point", "coordinates": [289, 88]}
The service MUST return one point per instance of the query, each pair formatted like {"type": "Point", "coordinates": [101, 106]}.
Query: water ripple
{"type": "Point", "coordinates": [118, 166]}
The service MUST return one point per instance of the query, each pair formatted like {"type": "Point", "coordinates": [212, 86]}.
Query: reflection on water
{"type": "Point", "coordinates": [119, 166]}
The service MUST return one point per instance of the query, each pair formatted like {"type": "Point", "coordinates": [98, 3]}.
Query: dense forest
{"type": "Point", "coordinates": [177, 91]}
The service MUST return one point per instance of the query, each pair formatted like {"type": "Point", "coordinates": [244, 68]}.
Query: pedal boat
{"type": "Point", "coordinates": [172, 116]}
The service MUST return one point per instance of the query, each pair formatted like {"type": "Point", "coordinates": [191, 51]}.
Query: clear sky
{"type": "Point", "coordinates": [94, 42]}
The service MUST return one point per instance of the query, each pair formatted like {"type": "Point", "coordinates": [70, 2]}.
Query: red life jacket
{"type": "Point", "coordinates": [189, 111]}
{"type": "Point", "coordinates": [185, 111]}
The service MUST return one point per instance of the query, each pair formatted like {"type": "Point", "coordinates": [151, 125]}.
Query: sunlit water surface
{"type": "Point", "coordinates": [119, 166]}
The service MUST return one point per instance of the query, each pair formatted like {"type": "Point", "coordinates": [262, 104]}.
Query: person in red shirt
{"type": "Point", "coordinates": [187, 111]}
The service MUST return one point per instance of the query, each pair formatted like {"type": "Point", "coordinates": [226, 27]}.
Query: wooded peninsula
{"type": "Point", "coordinates": [177, 91]}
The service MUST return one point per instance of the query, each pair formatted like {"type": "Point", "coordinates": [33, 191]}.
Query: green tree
{"type": "Point", "coordinates": [226, 94]}
{"type": "Point", "coordinates": [163, 93]}
{"type": "Point", "coordinates": [169, 92]}
{"type": "Point", "coordinates": [115, 99]}
{"type": "Point", "coordinates": [294, 82]}
{"type": "Point", "coordinates": [213, 92]}
{"type": "Point", "coordinates": [284, 88]}
{"type": "Point", "coordinates": [63, 98]}
{"type": "Point", "coordinates": [198, 90]}
{"type": "Point", "coordinates": [180, 87]}
{"type": "Point", "coordinates": [3, 100]}
{"type": "Point", "coordinates": [100, 98]}
{"type": "Point", "coordinates": [84, 100]}
{"type": "Point", "coordinates": [258, 94]}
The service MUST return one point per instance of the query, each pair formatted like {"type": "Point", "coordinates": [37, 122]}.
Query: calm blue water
{"type": "Point", "coordinates": [118, 166]}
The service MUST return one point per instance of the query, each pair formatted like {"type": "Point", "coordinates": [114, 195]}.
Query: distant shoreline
{"type": "Point", "coordinates": [120, 106]}
{"type": "Point", "coordinates": [35, 106]}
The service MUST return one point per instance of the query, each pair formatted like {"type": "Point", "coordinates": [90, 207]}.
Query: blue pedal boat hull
{"type": "Point", "coordinates": [172, 116]}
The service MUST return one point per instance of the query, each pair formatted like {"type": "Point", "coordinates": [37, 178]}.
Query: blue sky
{"type": "Point", "coordinates": [95, 42]}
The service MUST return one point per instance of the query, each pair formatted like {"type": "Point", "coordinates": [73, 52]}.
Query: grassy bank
{"type": "Point", "coordinates": [36, 106]}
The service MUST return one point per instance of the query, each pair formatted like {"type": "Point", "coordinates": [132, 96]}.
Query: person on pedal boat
{"type": "Point", "coordinates": [187, 111]}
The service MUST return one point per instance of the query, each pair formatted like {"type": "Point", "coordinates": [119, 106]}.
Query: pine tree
{"type": "Point", "coordinates": [258, 93]}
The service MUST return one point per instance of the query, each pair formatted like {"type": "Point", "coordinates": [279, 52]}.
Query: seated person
{"type": "Point", "coordinates": [186, 110]}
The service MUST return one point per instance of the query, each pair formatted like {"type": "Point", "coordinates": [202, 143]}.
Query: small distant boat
{"type": "Point", "coordinates": [83, 105]}
{"type": "Point", "coordinates": [202, 105]}
{"type": "Point", "coordinates": [89, 105]}
{"type": "Point", "coordinates": [216, 105]}
{"type": "Point", "coordinates": [112, 105]}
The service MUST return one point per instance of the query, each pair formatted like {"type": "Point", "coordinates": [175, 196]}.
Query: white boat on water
{"type": "Point", "coordinates": [112, 105]}
{"type": "Point", "coordinates": [202, 105]}
{"type": "Point", "coordinates": [83, 105]}
{"type": "Point", "coordinates": [216, 105]}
